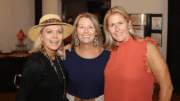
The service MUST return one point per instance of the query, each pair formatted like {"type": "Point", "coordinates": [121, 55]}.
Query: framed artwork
{"type": "Point", "coordinates": [147, 25]}
{"type": "Point", "coordinates": [156, 28]}
{"type": "Point", "coordinates": [156, 23]}
{"type": "Point", "coordinates": [139, 30]}
{"type": "Point", "coordinates": [138, 19]}
{"type": "Point", "coordinates": [158, 38]}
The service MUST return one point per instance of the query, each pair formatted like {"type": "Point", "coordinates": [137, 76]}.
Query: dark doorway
{"type": "Point", "coordinates": [74, 7]}
{"type": "Point", "coordinates": [173, 50]}
{"type": "Point", "coordinates": [38, 11]}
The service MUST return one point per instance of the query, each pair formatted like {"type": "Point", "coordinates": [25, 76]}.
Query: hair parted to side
{"type": "Point", "coordinates": [38, 45]}
{"type": "Point", "coordinates": [110, 42]}
{"type": "Point", "coordinates": [95, 21]}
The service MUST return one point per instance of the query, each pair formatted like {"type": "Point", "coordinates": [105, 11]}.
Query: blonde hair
{"type": "Point", "coordinates": [110, 42]}
{"type": "Point", "coordinates": [38, 46]}
{"type": "Point", "coordinates": [95, 21]}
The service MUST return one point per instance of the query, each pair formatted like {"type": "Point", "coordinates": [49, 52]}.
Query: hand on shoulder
{"type": "Point", "coordinates": [67, 47]}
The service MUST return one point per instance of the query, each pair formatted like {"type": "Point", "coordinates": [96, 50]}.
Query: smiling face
{"type": "Point", "coordinates": [119, 27]}
{"type": "Point", "coordinates": [85, 31]}
{"type": "Point", "coordinates": [52, 37]}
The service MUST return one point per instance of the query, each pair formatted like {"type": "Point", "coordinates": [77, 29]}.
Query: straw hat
{"type": "Point", "coordinates": [50, 19]}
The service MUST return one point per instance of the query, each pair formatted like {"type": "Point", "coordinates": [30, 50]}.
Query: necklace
{"type": "Point", "coordinates": [52, 64]}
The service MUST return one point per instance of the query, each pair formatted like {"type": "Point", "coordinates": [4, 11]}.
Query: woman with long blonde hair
{"type": "Point", "coordinates": [134, 63]}
{"type": "Point", "coordinates": [43, 77]}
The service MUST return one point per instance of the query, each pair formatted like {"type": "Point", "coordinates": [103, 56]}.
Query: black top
{"type": "Point", "coordinates": [39, 80]}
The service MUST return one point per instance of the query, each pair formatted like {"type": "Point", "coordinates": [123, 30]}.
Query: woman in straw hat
{"type": "Point", "coordinates": [43, 78]}
{"type": "Point", "coordinates": [86, 62]}
{"type": "Point", "coordinates": [134, 63]}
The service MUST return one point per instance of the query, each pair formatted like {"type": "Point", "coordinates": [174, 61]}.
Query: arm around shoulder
{"type": "Point", "coordinates": [67, 47]}
{"type": "Point", "coordinates": [160, 70]}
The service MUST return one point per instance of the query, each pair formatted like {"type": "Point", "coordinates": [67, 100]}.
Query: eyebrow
{"type": "Point", "coordinates": [118, 22]}
{"type": "Point", "coordinates": [88, 25]}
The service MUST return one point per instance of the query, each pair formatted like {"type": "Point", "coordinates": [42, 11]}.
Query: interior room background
{"type": "Point", "coordinates": [20, 14]}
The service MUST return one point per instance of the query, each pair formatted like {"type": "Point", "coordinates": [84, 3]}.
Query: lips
{"type": "Point", "coordinates": [86, 36]}
{"type": "Point", "coordinates": [54, 42]}
{"type": "Point", "coordinates": [119, 33]}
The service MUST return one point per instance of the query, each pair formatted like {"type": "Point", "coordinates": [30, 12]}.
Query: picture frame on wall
{"type": "Point", "coordinates": [156, 28]}
{"type": "Point", "coordinates": [139, 30]}
{"type": "Point", "coordinates": [138, 19]}
{"type": "Point", "coordinates": [158, 38]}
{"type": "Point", "coordinates": [141, 25]}
{"type": "Point", "coordinates": [156, 23]}
{"type": "Point", "coordinates": [148, 25]}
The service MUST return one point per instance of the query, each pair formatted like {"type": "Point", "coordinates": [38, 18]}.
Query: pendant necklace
{"type": "Point", "coordinates": [52, 64]}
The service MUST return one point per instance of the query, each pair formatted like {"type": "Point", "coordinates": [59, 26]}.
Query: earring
{"type": "Point", "coordinates": [77, 42]}
{"type": "Point", "coordinates": [95, 41]}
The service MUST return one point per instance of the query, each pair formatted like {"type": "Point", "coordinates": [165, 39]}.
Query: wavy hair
{"type": "Point", "coordinates": [110, 43]}
{"type": "Point", "coordinates": [95, 21]}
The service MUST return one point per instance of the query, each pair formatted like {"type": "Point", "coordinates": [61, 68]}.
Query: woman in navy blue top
{"type": "Point", "coordinates": [86, 62]}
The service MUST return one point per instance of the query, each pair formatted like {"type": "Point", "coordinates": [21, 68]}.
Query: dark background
{"type": "Point", "coordinates": [98, 8]}
{"type": "Point", "coordinates": [173, 45]}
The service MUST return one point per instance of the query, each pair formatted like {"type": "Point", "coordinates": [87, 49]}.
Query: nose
{"type": "Point", "coordinates": [55, 35]}
{"type": "Point", "coordinates": [86, 30]}
{"type": "Point", "coordinates": [117, 28]}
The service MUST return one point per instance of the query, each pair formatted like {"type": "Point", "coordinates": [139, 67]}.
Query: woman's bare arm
{"type": "Point", "coordinates": [160, 70]}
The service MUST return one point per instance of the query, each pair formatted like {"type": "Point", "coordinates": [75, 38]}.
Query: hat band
{"type": "Point", "coordinates": [51, 21]}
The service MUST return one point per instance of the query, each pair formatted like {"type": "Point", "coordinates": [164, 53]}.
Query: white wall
{"type": "Point", "coordinates": [15, 15]}
{"type": "Point", "coordinates": [148, 6]}
{"type": "Point", "coordinates": [51, 7]}
{"type": "Point", "coordinates": [19, 14]}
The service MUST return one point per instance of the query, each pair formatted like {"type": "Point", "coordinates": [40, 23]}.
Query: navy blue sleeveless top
{"type": "Point", "coordinates": [86, 76]}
